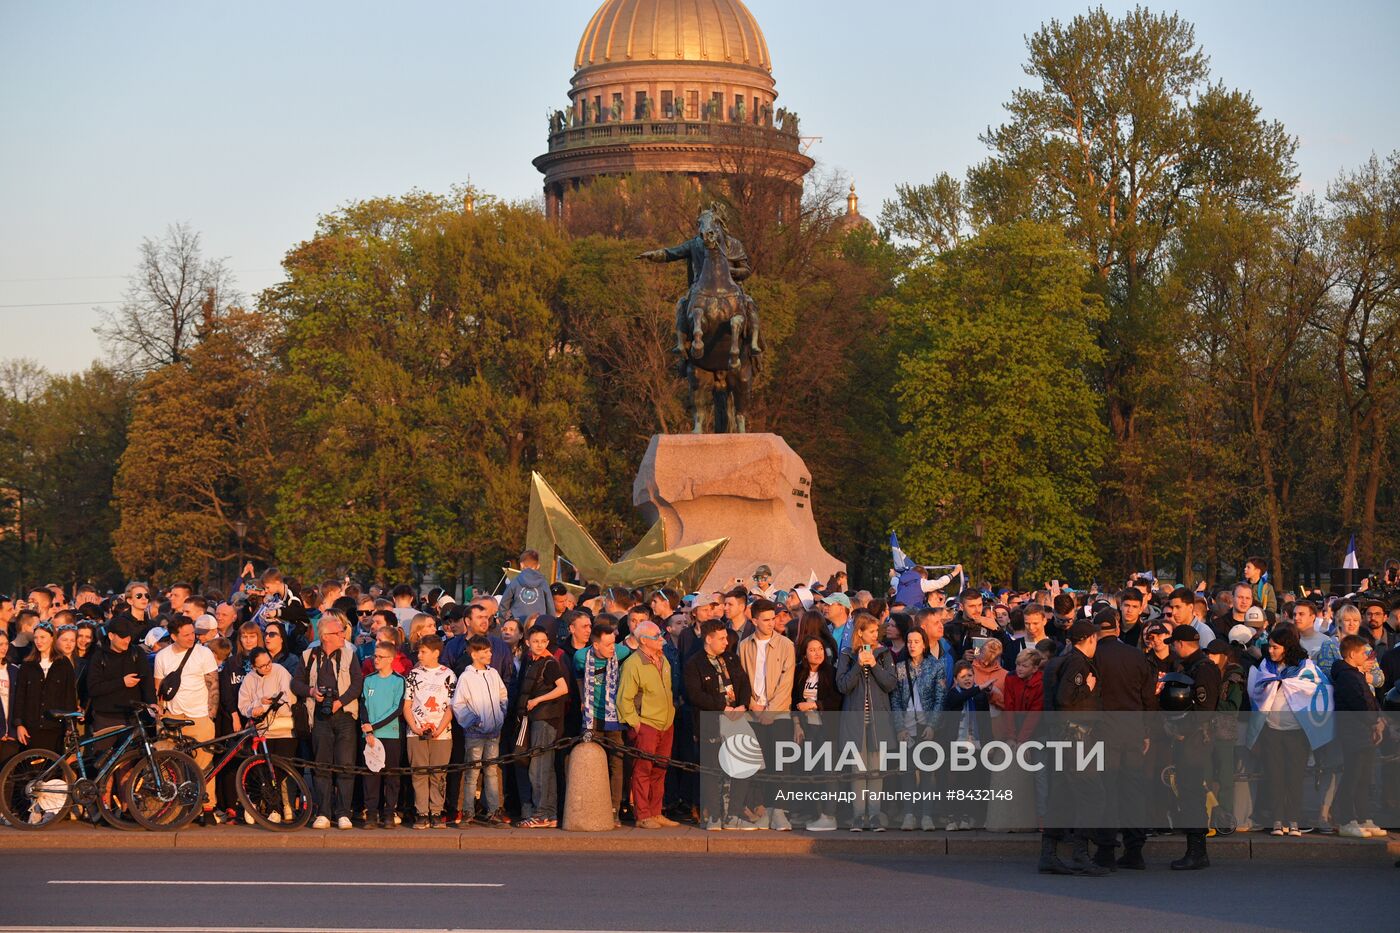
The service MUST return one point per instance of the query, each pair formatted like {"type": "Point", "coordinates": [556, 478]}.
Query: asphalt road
{"type": "Point", "coordinates": [338, 891]}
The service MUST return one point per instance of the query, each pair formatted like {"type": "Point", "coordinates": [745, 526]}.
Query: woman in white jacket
{"type": "Point", "coordinates": [266, 680]}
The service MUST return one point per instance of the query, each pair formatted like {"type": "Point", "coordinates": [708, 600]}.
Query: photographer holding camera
{"type": "Point", "coordinates": [330, 682]}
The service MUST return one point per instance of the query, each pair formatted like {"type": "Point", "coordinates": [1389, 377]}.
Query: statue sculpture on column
{"type": "Point", "coordinates": [717, 325]}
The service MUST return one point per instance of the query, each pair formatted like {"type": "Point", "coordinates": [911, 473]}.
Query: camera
{"type": "Point", "coordinates": [325, 708]}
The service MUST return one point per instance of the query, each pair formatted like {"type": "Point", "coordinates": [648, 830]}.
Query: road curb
{"type": "Point", "coordinates": [681, 841]}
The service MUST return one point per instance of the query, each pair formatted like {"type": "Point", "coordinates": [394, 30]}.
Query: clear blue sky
{"type": "Point", "coordinates": [250, 119]}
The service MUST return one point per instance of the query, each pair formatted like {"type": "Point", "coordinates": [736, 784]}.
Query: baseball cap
{"type": "Point", "coordinates": [1082, 629]}
{"type": "Point", "coordinates": [1241, 634]}
{"type": "Point", "coordinates": [154, 637]}
{"type": "Point", "coordinates": [1254, 614]}
{"type": "Point", "coordinates": [558, 589]}
{"type": "Point", "coordinates": [1184, 633]}
{"type": "Point", "coordinates": [1154, 628]}
{"type": "Point", "coordinates": [1218, 646]}
{"type": "Point", "coordinates": [804, 595]}
{"type": "Point", "coordinates": [837, 599]}
{"type": "Point", "coordinates": [205, 623]}
{"type": "Point", "coordinates": [123, 626]}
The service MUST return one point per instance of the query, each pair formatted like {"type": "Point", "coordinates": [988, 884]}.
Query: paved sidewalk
{"type": "Point", "coordinates": [684, 839]}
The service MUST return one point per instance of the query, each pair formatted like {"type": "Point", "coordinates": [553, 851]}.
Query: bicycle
{"type": "Point", "coordinates": [157, 787]}
{"type": "Point", "coordinates": [272, 792]}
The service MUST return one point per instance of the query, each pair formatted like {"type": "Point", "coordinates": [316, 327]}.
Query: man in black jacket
{"type": "Point", "coordinates": [1127, 687]}
{"type": "Point", "coordinates": [1192, 751]}
{"type": "Point", "coordinates": [118, 676]}
{"type": "Point", "coordinates": [715, 683]}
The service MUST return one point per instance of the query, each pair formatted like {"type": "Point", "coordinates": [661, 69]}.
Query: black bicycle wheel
{"type": "Point", "coordinates": [36, 789]}
{"type": "Point", "coordinates": [166, 795]}
{"type": "Point", "coordinates": [273, 794]}
{"type": "Point", "coordinates": [108, 803]}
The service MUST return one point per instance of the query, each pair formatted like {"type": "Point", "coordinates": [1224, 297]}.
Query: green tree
{"type": "Point", "coordinates": [202, 456]}
{"type": "Point", "coordinates": [1118, 138]}
{"type": "Point", "coordinates": [65, 434]}
{"type": "Point", "coordinates": [426, 358]}
{"type": "Point", "coordinates": [1003, 435]}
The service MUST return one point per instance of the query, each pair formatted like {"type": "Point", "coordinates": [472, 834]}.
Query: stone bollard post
{"type": "Point", "coordinates": [588, 799]}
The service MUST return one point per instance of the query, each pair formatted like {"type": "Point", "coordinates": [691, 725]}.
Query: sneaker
{"type": "Point", "coordinates": [908, 825]}
{"type": "Point", "coordinates": [1373, 830]}
{"type": "Point", "coordinates": [372, 822]}
{"type": "Point", "coordinates": [964, 825]}
{"type": "Point", "coordinates": [780, 822]}
{"type": "Point", "coordinates": [858, 825]}
{"type": "Point", "coordinates": [739, 824]}
{"type": "Point", "coordinates": [421, 823]}
{"type": "Point", "coordinates": [273, 817]}
{"type": "Point", "coordinates": [1278, 830]}
{"type": "Point", "coordinates": [648, 823]}
{"type": "Point", "coordinates": [398, 820]}
{"type": "Point", "coordinates": [344, 823]}
{"type": "Point", "coordinates": [248, 818]}
{"type": "Point", "coordinates": [927, 824]}
{"type": "Point", "coordinates": [321, 822]}
{"type": "Point", "coordinates": [952, 826]}
{"type": "Point", "coordinates": [1353, 830]}
{"type": "Point", "coordinates": [714, 825]}
{"type": "Point", "coordinates": [666, 822]}
{"type": "Point", "coordinates": [1293, 830]}
{"type": "Point", "coordinates": [765, 821]}
{"type": "Point", "coordinates": [822, 824]}
{"type": "Point", "coordinates": [443, 824]}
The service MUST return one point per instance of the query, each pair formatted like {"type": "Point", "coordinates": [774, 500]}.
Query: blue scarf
{"type": "Point", "coordinates": [610, 717]}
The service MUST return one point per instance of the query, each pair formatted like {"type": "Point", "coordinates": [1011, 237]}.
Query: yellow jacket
{"type": "Point", "coordinates": [644, 693]}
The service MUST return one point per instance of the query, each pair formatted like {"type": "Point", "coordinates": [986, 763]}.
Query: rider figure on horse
{"type": "Point", "coordinates": [693, 252]}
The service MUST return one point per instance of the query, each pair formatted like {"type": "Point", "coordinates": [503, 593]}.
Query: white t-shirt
{"type": "Point", "coordinates": [430, 696]}
{"type": "Point", "coordinates": [5, 688]}
{"type": "Point", "coordinates": [405, 615]}
{"type": "Point", "coordinates": [760, 668]}
{"type": "Point", "coordinates": [192, 699]}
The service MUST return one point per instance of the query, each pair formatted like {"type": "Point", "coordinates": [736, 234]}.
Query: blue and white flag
{"type": "Point", "coordinates": [1349, 562]}
{"type": "Point", "coordinates": [1307, 695]}
{"type": "Point", "coordinates": [901, 560]}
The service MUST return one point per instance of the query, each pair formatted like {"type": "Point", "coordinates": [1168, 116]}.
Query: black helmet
{"type": "Point", "coordinates": [1177, 693]}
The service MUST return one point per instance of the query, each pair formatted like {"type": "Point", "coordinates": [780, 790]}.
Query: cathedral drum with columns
{"type": "Point", "coordinates": [680, 87]}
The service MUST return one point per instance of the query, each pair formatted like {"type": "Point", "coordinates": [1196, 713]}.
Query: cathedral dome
{"type": "Point", "coordinates": [711, 31]}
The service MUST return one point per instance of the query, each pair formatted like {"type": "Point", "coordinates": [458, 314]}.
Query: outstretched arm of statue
{"type": "Point", "coordinates": [670, 254]}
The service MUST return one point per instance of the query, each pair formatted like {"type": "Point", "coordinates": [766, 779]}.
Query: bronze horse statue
{"type": "Point", "coordinates": [719, 353]}
{"type": "Point", "coordinates": [716, 323]}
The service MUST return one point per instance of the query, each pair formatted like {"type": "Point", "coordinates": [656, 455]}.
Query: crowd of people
{"type": "Point", "coordinates": [378, 679]}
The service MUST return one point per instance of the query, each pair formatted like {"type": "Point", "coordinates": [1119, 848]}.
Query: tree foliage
{"type": "Point", "coordinates": [1003, 437]}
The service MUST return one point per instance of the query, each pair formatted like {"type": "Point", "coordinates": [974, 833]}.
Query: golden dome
{"type": "Point", "coordinates": [673, 30]}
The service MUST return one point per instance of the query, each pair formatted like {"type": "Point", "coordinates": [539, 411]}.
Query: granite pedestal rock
{"type": "Point", "coordinates": [751, 488]}
{"type": "Point", "coordinates": [588, 799]}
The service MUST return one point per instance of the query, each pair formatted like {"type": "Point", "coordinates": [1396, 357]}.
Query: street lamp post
{"type": "Point", "coordinates": [240, 529]}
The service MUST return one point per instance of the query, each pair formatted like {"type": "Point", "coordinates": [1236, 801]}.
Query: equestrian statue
{"type": "Point", "coordinates": [716, 323]}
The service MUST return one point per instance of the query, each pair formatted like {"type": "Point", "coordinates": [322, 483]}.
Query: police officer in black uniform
{"type": "Point", "coordinates": [1128, 686]}
{"type": "Point", "coordinates": [1191, 744]}
{"type": "Point", "coordinates": [1072, 687]}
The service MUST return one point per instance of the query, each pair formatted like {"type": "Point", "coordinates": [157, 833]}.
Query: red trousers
{"type": "Point", "coordinates": [648, 778]}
